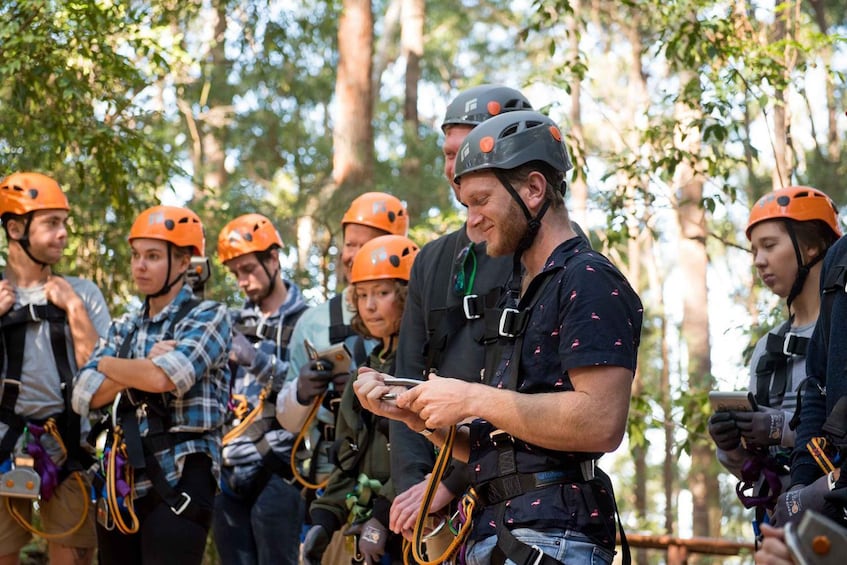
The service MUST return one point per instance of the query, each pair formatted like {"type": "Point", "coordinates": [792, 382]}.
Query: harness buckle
{"type": "Point", "coordinates": [507, 322]}
{"type": "Point", "coordinates": [788, 343]}
{"type": "Point", "coordinates": [501, 436]}
{"type": "Point", "coordinates": [471, 307]}
{"type": "Point", "coordinates": [32, 313]}
{"type": "Point", "coordinates": [540, 555]}
{"type": "Point", "coordinates": [186, 500]}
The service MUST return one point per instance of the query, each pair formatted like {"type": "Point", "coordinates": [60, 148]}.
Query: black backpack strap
{"type": "Point", "coordinates": [836, 281]}
{"type": "Point", "coordinates": [338, 330]}
{"type": "Point", "coordinates": [13, 326]}
{"type": "Point", "coordinates": [13, 340]}
{"type": "Point", "coordinates": [772, 369]}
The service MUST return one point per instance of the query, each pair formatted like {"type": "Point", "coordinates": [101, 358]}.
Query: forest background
{"type": "Point", "coordinates": [678, 114]}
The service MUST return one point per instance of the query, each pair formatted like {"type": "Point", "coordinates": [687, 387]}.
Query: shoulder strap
{"type": "Point", "coordinates": [836, 281]}
{"type": "Point", "coordinates": [772, 367]}
{"type": "Point", "coordinates": [338, 330]}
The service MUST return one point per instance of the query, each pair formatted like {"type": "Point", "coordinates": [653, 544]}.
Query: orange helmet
{"type": "Point", "coordinates": [245, 234]}
{"type": "Point", "coordinates": [22, 193]}
{"type": "Point", "coordinates": [378, 210]}
{"type": "Point", "coordinates": [800, 203]}
{"type": "Point", "coordinates": [173, 224]}
{"type": "Point", "coordinates": [384, 257]}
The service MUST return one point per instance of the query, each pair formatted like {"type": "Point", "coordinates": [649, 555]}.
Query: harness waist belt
{"type": "Point", "coordinates": [509, 486]}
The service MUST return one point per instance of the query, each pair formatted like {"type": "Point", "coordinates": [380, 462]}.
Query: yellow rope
{"type": "Point", "coordinates": [246, 422]}
{"type": "Point", "coordinates": [51, 428]}
{"type": "Point", "coordinates": [111, 487]}
{"type": "Point", "coordinates": [313, 412]}
{"type": "Point", "coordinates": [468, 503]}
{"type": "Point", "coordinates": [20, 519]}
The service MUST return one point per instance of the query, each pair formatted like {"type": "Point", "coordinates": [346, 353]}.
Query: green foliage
{"type": "Point", "coordinates": [73, 75]}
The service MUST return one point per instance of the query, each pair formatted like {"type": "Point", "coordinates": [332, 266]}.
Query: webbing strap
{"type": "Point", "coordinates": [14, 339]}
{"type": "Point", "coordinates": [339, 331]}
{"type": "Point", "coordinates": [772, 368]}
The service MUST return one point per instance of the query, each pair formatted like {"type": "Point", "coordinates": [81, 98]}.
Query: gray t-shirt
{"type": "Point", "coordinates": [41, 392]}
{"type": "Point", "coordinates": [734, 460]}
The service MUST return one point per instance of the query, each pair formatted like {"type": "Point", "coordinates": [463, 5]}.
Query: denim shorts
{"type": "Point", "coordinates": [569, 547]}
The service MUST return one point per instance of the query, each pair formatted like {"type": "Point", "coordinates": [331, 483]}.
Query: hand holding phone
{"type": "Point", "coordinates": [732, 401]}
{"type": "Point", "coordinates": [398, 381]}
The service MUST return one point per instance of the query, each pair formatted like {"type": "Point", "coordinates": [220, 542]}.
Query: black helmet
{"type": "Point", "coordinates": [475, 105]}
{"type": "Point", "coordinates": [510, 140]}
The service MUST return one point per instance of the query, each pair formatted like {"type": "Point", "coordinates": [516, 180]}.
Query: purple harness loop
{"type": "Point", "coordinates": [755, 467]}
{"type": "Point", "coordinates": [43, 463]}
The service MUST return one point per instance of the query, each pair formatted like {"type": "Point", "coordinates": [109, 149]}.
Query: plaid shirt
{"type": "Point", "coordinates": [197, 366]}
{"type": "Point", "coordinates": [270, 364]}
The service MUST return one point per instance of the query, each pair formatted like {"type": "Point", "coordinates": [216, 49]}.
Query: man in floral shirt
{"type": "Point", "coordinates": [557, 395]}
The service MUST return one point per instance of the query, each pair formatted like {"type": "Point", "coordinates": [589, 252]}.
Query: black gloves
{"type": "Point", "coordinates": [791, 505]}
{"type": "Point", "coordinates": [314, 379]}
{"type": "Point", "coordinates": [762, 427]}
{"type": "Point", "coordinates": [723, 430]}
{"type": "Point", "coordinates": [242, 351]}
{"type": "Point", "coordinates": [372, 537]}
{"type": "Point", "coordinates": [315, 544]}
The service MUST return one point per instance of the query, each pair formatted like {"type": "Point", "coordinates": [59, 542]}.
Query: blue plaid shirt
{"type": "Point", "coordinates": [197, 366]}
{"type": "Point", "coordinates": [270, 364]}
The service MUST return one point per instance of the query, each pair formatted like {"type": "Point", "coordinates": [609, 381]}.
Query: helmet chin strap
{"type": "Point", "coordinates": [803, 270]}
{"type": "Point", "coordinates": [533, 224]}
{"type": "Point", "coordinates": [24, 242]}
{"type": "Point", "coordinates": [166, 288]}
{"type": "Point", "coordinates": [271, 278]}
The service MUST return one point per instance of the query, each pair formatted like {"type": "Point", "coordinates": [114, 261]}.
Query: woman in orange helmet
{"type": "Point", "coordinates": [164, 370]}
{"type": "Point", "coordinates": [359, 490]}
{"type": "Point", "coordinates": [790, 231]}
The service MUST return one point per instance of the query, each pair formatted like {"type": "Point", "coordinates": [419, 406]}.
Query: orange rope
{"type": "Point", "coordinates": [313, 412]}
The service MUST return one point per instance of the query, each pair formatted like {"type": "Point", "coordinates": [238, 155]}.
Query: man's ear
{"type": "Point", "coordinates": [15, 229]}
{"type": "Point", "coordinates": [536, 186]}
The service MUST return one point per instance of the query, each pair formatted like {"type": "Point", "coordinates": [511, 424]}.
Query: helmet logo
{"type": "Point", "coordinates": [486, 144]}
{"type": "Point", "coordinates": [466, 149]}
{"type": "Point", "coordinates": [783, 200]}
{"type": "Point", "coordinates": [493, 108]}
{"type": "Point", "coordinates": [557, 135]}
{"type": "Point", "coordinates": [33, 193]}
{"type": "Point", "coordinates": [470, 105]}
{"type": "Point", "coordinates": [159, 218]}
{"type": "Point", "coordinates": [378, 255]}
{"type": "Point", "coordinates": [394, 260]}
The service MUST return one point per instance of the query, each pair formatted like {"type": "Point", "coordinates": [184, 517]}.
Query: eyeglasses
{"type": "Point", "coordinates": [462, 279]}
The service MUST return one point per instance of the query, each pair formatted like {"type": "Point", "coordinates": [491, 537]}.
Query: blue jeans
{"type": "Point", "coordinates": [572, 548]}
{"type": "Point", "coordinates": [261, 532]}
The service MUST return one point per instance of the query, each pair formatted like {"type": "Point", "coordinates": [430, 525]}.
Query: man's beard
{"type": "Point", "coordinates": [512, 226]}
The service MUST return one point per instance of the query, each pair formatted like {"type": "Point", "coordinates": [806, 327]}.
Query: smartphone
{"type": "Point", "coordinates": [338, 354]}
{"type": "Point", "coordinates": [734, 401]}
{"type": "Point", "coordinates": [397, 381]}
{"type": "Point", "coordinates": [401, 381]}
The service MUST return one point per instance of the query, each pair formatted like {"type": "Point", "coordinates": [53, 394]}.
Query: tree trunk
{"type": "Point", "coordinates": [781, 118]}
{"type": "Point", "coordinates": [353, 152]}
{"type": "Point", "coordinates": [693, 262]}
